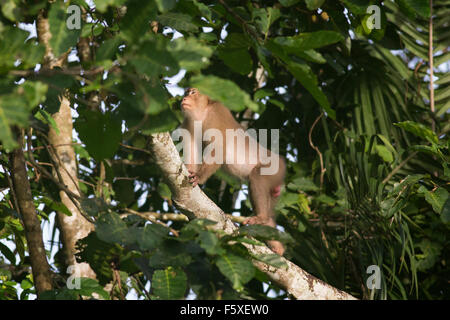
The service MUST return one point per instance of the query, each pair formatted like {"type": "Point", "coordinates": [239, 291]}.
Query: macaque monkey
{"type": "Point", "coordinates": [248, 160]}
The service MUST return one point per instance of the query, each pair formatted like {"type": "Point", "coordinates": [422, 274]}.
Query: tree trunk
{"type": "Point", "coordinates": [73, 227]}
{"type": "Point", "coordinates": [42, 276]}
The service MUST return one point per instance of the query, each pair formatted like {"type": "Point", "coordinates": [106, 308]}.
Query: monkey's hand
{"type": "Point", "coordinates": [193, 178]}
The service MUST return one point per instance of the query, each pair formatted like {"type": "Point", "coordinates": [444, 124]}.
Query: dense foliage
{"type": "Point", "coordinates": [368, 161]}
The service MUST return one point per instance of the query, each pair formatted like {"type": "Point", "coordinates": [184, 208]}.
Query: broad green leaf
{"type": "Point", "coordinates": [225, 91]}
{"type": "Point", "coordinates": [110, 228]}
{"type": "Point", "coordinates": [100, 132]}
{"type": "Point", "coordinates": [431, 252]}
{"type": "Point", "coordinates": [34, 92]}
{"type": "Point", "coordinates": [153, 58]}
{"type": "Point", "coordinates": [89, 286]}
{"type": "Point", "coordinates": [61, 37]}
{"type": "Point", "coordinates": [288, 3]}
{"type": "Point", "coordinates": [16, 52]}
{"type": "Point", "coordinates": [310, 40]}
{"type": "Point", "coordinates": [384, 153]}
{"type": "Point", "coordinates": [264, 17]}
{"type": "Point", "coordinates": [314, 4]}
{"type": "Point", "coordinates": [169, 284]}
{"type": "Point", "coordinates": [190, 53]}
{"type": "Point", "coordinates": [208, 240]}
{"type": "Point", "coordinates": [108, 49]}
{"type": "Point", "coordinates": [303, 184]}
{"type": "Point", "coordinates": [163, 121]}
{"type": "Point", "coordinates": [8, 253]}
{"type": "Point", "coordinates": [204, 10]}
{"type": "Point", "coordinates": [358, 7]}
{"type": "Point", "coordinates": [13, 111]}
{"type": "Point", "coordinates": [238, 270]}
{"type": "Point", "coordinates": [177, 21]}
{"type": "Point", "coordinates": [151, 236]}
{"type": "Point", "coordinates": [56, 206]}
{"type": "Point", "coordinates": [419, 130]}
{"type": "Point", "coordinates": [136, 23]}
{"type": "Point", "coordinates": [10, 10]}
{"type": "Point", "coordinates": [235, 53]}
{"type": "Point", "coordinates": [165, 5]}
{"type": "Point", "coordinates": [102, 5]}
{"type": "Point", "coordinates": [302, 72]}
{"type": "Point", "coordinates": [94, 206]}
{"type": "Point", "coordinates": [436, 198]}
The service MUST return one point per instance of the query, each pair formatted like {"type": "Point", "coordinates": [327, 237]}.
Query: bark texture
{"type": "Point", "coordinates": [42, 276]}
{"type": "Point", "coordinates": [195, 204]}
{"type": "Point", "coordinates": [73, 227]}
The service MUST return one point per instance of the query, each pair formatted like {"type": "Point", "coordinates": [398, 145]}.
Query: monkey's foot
{"type": "Point", "coordinates": [259, 220]}
{"type": "Point", "coordinates": [193, 178]}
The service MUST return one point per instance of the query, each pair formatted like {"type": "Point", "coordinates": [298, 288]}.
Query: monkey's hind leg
{"type": "Point", "coordinates": [264, 191]}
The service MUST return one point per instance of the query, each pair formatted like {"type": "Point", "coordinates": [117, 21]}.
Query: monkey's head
{"type": "Point", "coordinates": [194, 101]}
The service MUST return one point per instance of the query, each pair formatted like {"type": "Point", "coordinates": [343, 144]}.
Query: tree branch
{"type": "Point", "coordinates": [195, 204]}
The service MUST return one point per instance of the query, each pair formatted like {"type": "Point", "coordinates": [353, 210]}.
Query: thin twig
{"type": "Point", "coordinates": [322, 169]}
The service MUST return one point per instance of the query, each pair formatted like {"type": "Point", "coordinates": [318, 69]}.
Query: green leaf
{"type": "Point", "coordinates": [56, 206]}
{"type": "Point", "coordinates": [204, 10]}
{"type": "Point", "coordinates": [384, 153]}
{"type": "Point", "coordinates": [13, 111]}
{"type": "Point", "coordinates": [310, 40]}
{"type": "Point", "coordinates": [235, 53]}
{"type": "Point", "coordinates": [89, 286]}
{"type": "Point", "coordinates": [445, 214]}
{"type": "Point", "coordinates": [94, 206]}
{"type": "Point", "coordinates": [8, 253]}
{"type": "Point", "coordinates": [238, 270]}
{"type": "Point", "coordinates": [177, 21]}
{"type": "Point", "coordinates": [108, 49]}
{"type": "Point", "coordinates": [429, 257]}
{"type": "Point", "coordinates": [288, 3]}
{"type": "Point", "coordinates": [190, 53]}
{"type": "Point", "coordinates": [34, 92]}
{"type": "Point", "coordinates": [110, 228]}
{"type": "Point", "coordinates": [225, 91]}
{"type": "Point", "coordinates": [418, 130]}
{"type": "Point", "coordinates": [314, 4]}
{"type": "Point", "coordinates": [302, 72]}
{"type": "Point", "coordinates": [209, 241]}
{"type": "Point", "coordinates": [10, 9]}
{"type": "Point", "coordinates": [420, 6]}
{"type": "Point", "coordinates": [165, 5]}
{"type": "Point", "coordinates": [151, 236]}
{"type": "Point", "coordinates": [62, 38]}
{"type": "Point", "coordinates": [264, 17]}
{"type": "Point", "coordinates": [262, 232]}
{"type": "Point", "coordinates": [136, 23]}
{"type": "Point", "coordinates": [303, 184]}
{"type": "Point", "coordinates": [100, 132]}
{"type": "Point", "coordinates": [153, 58]}
{"type": "Point", "coordinates": [102, 5]}
{"type": "Point", "coordinates": [436, 199]}
{"type": "Point", "coordinates": [169, 284]}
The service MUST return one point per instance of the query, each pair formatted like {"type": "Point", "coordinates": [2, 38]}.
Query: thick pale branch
{"type": "Point", "coordinates": [195, 204]}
